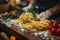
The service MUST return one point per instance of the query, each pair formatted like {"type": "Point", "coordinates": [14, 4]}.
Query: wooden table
{"type": "Point", "coordinates": [15, 32]}
{"type": "Point", "coordinates": [26, 34]}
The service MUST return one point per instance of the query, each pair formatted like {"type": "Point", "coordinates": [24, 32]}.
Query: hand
{"type": "Point", "coordinates": [41, 16]}
{"type": "Point", "coordinates": [27, 8]}
{"type": "Point", "coordinates": [44, 15]}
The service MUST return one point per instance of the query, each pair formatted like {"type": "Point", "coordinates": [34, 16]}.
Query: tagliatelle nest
{"type": "Point", "coordinates": [28, 21]}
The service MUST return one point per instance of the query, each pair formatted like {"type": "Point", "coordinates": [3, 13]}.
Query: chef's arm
{"type": "Point", "coordinates": [55, 9]}
{"type": "Point", "coordinates": [30, 6]}
{"type": "Point", "coordinates": [31, 3]}
{"type": "Point", "coordinates": [46, 14]}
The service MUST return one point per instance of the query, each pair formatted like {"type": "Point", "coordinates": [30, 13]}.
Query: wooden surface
{"type": "Point", "coordinates": [15, 32]}
{"type": "Point", "coordinates": [10, 32]}
{"type": "Point", "coordinates": [26, 34]}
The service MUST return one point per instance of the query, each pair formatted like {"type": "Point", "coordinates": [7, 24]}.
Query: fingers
{"type": "Point", "coordinates": [41, 16]}
{"type": "Point", "coordinates": [25, 8]}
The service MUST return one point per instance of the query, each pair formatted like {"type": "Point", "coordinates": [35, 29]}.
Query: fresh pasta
{"type": "Point", "coordinates": [28, 21]}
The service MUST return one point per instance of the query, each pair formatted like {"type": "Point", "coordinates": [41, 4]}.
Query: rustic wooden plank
{"type": "Point", "coordinates": [26, 34]}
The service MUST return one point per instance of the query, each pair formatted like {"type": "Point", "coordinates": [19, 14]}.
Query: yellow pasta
{"type": "Point", "coordinates": [28, 21]}
{"type": "Point", "coordinates": [27, 25]}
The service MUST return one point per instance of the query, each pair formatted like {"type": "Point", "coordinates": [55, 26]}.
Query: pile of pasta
{"type": "Point", "coordinates": [28, 21]}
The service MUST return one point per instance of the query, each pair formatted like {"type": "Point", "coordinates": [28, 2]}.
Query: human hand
{"type": "Point", "coordinates": [27, 8]}
{"type": "Point", "coordinates": [44, 15]}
